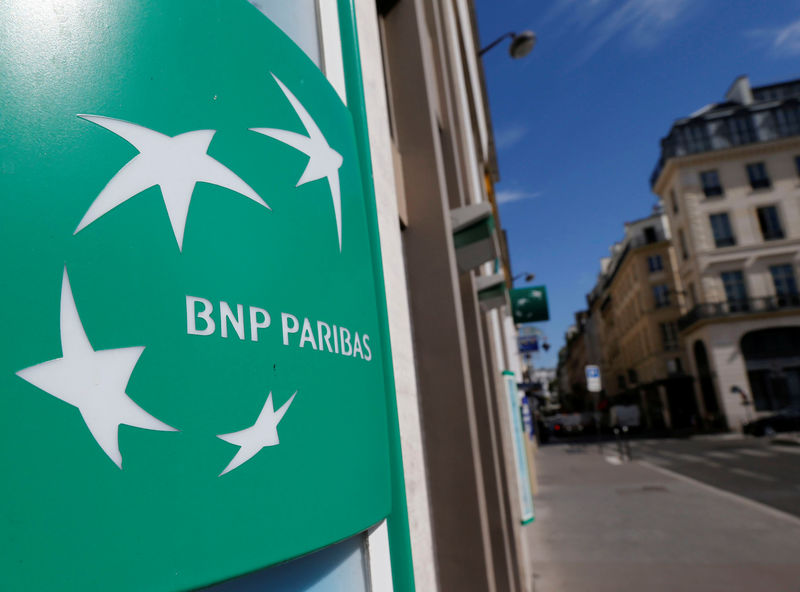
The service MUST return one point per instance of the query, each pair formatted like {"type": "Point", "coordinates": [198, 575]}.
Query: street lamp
{"type": "Point", "coordinates": [528, 276]}
{"type": "Point", "coordinates": [521, 44]}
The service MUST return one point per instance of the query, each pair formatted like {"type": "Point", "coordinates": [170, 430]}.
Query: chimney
{"type": "Point", "coordinates": [740, 91]}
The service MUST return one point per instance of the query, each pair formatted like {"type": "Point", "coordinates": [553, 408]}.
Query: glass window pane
{"type": "Point", "coordinates": [298, 19]}
{"type": "Point", "coordinates": [661, 295]}
{"type": "Point", "coordinates": [721, 229]}
{"type": "Point", "coordinates": [711, 184]}
{"type": "Point", "coordinates": [757, 173]}
{"type": "Point", "coordinates": [338, 568]}
{"type": "Point", "coordinates": [735, 290]}
{"type": "Point", "coordinates": [770, 223]}
{"type": "Point", "coordinates": [784, 280]}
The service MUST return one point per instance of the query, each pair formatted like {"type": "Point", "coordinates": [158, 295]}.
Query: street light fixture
{"type": "Point", "coordinates": [528, 276]}
{"type": "Point", "coordinates": [521, 44]}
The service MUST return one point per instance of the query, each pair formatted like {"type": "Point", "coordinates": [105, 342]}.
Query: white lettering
{"type": "Point", "coordinates": [366, 347]}
{"type": "Point", "coordinates": [307, 335]}
{"type": "Point", "coordinates": [205, 314]}
{"type": "Point", "coordinates": [345, 341]}
{"type": "Point", "coordinates": [285, 318]}
{"type": "Point", "coordinates": [326, 339]}
{"type": "Point", "coordinates": [255, 324]}
{"type": "Point", "coordinates": [357, 347]}
{"type": "Point", "coordinates": [237, 322]}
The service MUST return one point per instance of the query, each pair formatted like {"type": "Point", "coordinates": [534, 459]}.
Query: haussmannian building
{"type": "Point", "coordinates": [634, 309]}
{"type": "Point", "coordinates": [729, 182]}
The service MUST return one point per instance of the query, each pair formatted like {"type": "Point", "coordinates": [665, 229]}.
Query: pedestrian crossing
{"type": "Point", "coordinates": [655, 453]}
{"type": "Point", "coordinates": [729, 454]}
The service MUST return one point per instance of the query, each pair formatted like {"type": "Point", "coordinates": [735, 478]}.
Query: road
{"type": "Point", "coordinates": [750, 467]}
{"type": "Point", "coordinates": [603, 525]}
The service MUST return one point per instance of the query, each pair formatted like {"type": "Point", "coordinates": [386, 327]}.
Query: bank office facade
{"type": "Point", "coordinates": [183, 406]}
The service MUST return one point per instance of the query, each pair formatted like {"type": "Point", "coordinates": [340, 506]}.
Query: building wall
{"type": "Point", "coordinates": [435, 142]}
{"type": "Point", "coordinates": [723, 344]}
{"type": "Point", "coordinates": [701, 263]}
{"type": "Point", "coordinates": [382, 154]}
{"type": "Point", "coordinates": [625, 315]}
{"type": "Point", "coordinates": [751, 253]}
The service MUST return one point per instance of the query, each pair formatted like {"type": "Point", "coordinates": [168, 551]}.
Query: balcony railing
{"type": "Point", "coordinates": [711, 310]}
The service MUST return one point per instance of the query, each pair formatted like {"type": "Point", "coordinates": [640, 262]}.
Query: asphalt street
{"type": "Point", "coordinates": [750, 467]}
{"type": "Point", "coordinates": [606, 525]}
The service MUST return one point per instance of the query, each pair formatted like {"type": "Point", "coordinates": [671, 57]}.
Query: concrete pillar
{"type": "Point", "coordinates": [482, 370]}
{"type": "Point", "coordinates": [455, 470]}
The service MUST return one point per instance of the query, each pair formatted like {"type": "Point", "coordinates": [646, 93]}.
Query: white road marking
{"type": "Point", "coordinates": [710, 463]}
{"type": "Point", "coordinates": [721, 492]}
{"type": "Point", "coordinates": [758, 453]}
{"type": "Point", "coordinates": [789, 449]}
{"type": "Point", "coordinates": [690, 457]}
{"type": "Point", "coordinates": [722, 455]}
{"type": "Point", "coordinates": [752, 474]}
{"type": "Point", "coordinates": [613, 460]}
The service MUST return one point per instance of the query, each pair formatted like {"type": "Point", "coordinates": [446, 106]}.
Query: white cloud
{"type": "Point", "coordinates": [508, 136]}
{"type": "Point", "coordinates": [509, 195]}
{"type": "Point", "coordinates": [783, 41]}
{"type": "Point", "coordinates": [641, 23]}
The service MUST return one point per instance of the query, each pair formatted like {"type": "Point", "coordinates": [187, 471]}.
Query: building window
{"type": "Point", "coordinates": [692, 295]}
{"type": "Point", "coordinates": [674, 366]}
{"type": "Point", "coordinates": [735, 290]}
{"type": "Point", "coordinates": [788, 118]}
{"type": "Point", "coordinates": [770, 223]}
{"type": "Point", "coordinates": [621, 382]}
{"type": "Point", "coordinates": [669, 336]}
{"type": "Point", "coordinates": [721, 228]}
{"type": "Point", "coordinates": [661, 295]}
{"type": "Point", "coordinates": [684, 249]}
{"type": "Point", "coordinates": [674, 198]}
{"type": "Point", "coordinates": [741, 130]}
{"type": "Point", "coordinates": [633, 377]}
{"type": "Point", "coordinates": [710, 182]}
{"type": "Point", "coordinates": [757, 173]}
{"type": "Point", "coordinates": [654, 263]}
{"type": "Point", "coordinates": [695, 138]}
{"type": "Point", "coordinates": [785, 284]}
{"type": "Point", "coordinates": [797, 164]}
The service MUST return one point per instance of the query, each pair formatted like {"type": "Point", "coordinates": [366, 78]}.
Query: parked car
{"type": "Point", "coordinates": [785, 420]}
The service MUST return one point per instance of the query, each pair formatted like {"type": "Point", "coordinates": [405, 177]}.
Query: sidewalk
{"type": "Point", "coordinates": [603, 527]}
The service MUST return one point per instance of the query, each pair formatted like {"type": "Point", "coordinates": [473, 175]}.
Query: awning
{"type": "Point", "coordinates": [474, 235]}
{"type": "Point", "coordinates": [492, 292]}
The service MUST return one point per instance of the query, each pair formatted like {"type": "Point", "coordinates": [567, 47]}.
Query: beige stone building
{"type": "Point", "coordinates": [634, 309]}
{"type": "Point", "coordinates": [729, 181]}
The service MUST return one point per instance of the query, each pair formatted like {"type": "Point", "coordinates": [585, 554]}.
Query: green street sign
{"type": "Point", "coordinates": [191, 379]}
{"type": "Point", "coordinates": [529, 305]}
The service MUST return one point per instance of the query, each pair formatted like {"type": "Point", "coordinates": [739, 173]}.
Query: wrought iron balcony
{"type": "Point", "coordinates": [732, 308]}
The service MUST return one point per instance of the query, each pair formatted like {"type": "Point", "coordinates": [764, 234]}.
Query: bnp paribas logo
{"type": "Point", "coordinates": [94, 381]}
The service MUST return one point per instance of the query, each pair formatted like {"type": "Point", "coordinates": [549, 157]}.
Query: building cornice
{"type": "Point", "coordinates": [712, 156]}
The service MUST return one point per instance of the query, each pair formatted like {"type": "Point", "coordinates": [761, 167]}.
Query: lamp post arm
{"type": "Point", "coordinates": [495, 42]}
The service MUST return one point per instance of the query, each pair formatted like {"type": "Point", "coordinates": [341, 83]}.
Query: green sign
{"type": "Point", "coordinates": [529, 305]}
{"type": "Point", "coordinates": [191, 384]}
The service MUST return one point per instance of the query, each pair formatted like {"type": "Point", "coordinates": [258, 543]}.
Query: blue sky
{"type": "Point", "coordinates": [578, 122]}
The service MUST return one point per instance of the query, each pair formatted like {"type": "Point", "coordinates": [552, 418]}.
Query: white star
{"type": "Point", "coordinates": [93, 381]}
{"type": "Point", "coordinates": [264, 432]}
{"type": "Point", "coordinates": [175, 164]}
{"type": "Point", "coordinates": [323, 161]}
